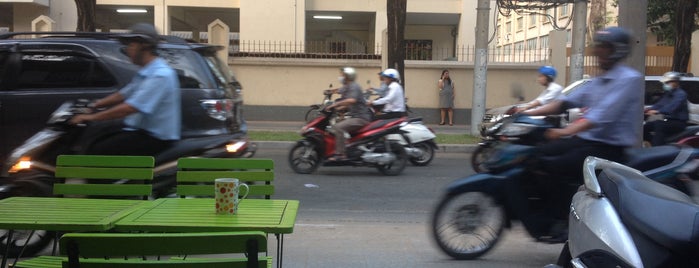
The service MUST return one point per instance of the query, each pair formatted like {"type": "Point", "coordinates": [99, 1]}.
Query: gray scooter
{"type": "Point", "coordinates": [620, 218]}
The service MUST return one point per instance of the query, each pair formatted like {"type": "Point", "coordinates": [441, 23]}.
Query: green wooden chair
{"type": "Point", "coordinates": [242, 249]}
{"type": "Point", "coordinates": [195, 176]}
{"type": "Point", "coordinates": [104, 175]}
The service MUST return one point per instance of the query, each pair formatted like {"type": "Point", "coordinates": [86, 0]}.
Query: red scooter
{"type": "Point", "coordinates": [366, 147]}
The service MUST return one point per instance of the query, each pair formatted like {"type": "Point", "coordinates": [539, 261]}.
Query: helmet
{"type": "Point", "coordinates": [671, 76]}
{"type": "Point", "coordinates": [349, 72]}
{"type": "Point", "coordinates": [619, 38]}
{"type": "Point", "coordinates": [142, 33]}
{"type": "Point", "coordinates": [391, 73]}
{"type": "Point", "coordinates": [548, 71]}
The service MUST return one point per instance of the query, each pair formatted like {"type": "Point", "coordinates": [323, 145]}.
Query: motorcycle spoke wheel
{"type": "Point", "coordinates": [304, 159]}
{"type": "Point", "coordinates": [311, 114]}
{"type": "Point", "coordinates": [35, 242]}
{"type": "Point", "coordinates": [398, 164]}
{"type": "Point", "coordinates": [479, 156]}
{"type": "Point", "coordinates": [427, 154]}
{"type": "Point", "coordinates": [467, 225]}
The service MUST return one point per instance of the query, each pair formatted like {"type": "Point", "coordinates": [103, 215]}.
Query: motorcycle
{"type": "Point", "coordinates": [29, 169]}
{"type": "Point", "coordinates": [368, 146]}
{"type": "Point", "coordinates": [418, 140]}
{"type": "Point", "coordinates": [469, 219]}
{"type": "Point", "coordinates": [621, 218]}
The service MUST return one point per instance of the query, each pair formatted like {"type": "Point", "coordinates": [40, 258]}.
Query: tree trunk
{"type": "Point", "coordinates": [396, 12]}
{"type": "Point", "coordinates": [86, 15]}
{"type": "Point", "coordinates": [597, 19]}
{"type": "Point", "coordinates": [684, 26]}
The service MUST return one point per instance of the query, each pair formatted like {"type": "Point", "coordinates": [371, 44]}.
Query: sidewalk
{"type": "Point", "coordinates": [295, 126]}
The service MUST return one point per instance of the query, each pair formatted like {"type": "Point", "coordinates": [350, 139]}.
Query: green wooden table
{"type": "Point", "coordinates": [62, 214]}
{"type": "Point", "coordinates": [199, 215]}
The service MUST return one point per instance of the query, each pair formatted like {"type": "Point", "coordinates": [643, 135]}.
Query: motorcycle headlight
{"type": "Point", "coordinates": [516, 129]}
{"type": "Point", "coordinates": [21, 164]}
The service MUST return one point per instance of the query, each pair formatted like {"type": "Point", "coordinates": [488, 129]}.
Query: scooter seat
{"type": "Point", "coordinates": [650, 158]}
{"type": "Point", "coordinates": [662, 213]}
{"type": "Point", "coordinates": [376, 124]}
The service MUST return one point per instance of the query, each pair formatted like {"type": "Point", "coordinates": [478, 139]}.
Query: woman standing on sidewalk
{"type": "Point", "coordinates": [446, 97]}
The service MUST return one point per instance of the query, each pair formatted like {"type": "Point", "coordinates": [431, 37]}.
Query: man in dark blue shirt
{"type": "Point", "coordinates": [673, 107]}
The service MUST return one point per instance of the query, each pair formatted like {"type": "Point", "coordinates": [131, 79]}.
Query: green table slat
{"type": "Point", "coordinates": [198, 215]}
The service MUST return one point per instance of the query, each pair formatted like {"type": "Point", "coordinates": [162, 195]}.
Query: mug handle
{"type": "Point", "coordinates": [247, 190]}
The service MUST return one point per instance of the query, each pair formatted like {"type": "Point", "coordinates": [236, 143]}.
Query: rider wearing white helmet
{"type": "Point", "coordinates": [394, 99]}
{"type": "Point", "coordinates": [353, 99]}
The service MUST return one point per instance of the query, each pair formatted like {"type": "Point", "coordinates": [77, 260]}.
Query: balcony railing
{"type": "Point", "coordinates": [359, 50]}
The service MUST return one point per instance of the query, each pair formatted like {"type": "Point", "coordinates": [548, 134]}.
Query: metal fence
{"type": "Point", "coordinates": [420, 51]}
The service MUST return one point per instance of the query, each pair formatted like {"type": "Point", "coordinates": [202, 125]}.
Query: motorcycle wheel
{"type": "Point", "coordinates": [467, 225]}
{"type": "Point", "coordinates": [304, 158]}
{"type": "Point", "coordinates": [35, 185]}
{"type": "Point", "coordinates": [310, 114]}
{"type": "Point", "coordinates": [427, 154]}
{"type": "Point", "coordinates": [479, 156]}
{"type": "Point", "coordinates": [398, 165]}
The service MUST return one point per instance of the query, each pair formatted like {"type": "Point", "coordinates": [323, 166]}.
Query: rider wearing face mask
{"type": "Point", "coordinates": [359, 114]}
{"type": "Point", "coordinates": [673, 106]}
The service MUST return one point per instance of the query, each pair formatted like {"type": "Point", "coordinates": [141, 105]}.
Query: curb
{"type": "Point", "coordinates": [446, 148]}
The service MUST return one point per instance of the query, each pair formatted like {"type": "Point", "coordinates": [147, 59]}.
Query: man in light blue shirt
{"type": "Point", "coordinates": [149, 104]}
{"type": "Point", "coordinates": [612, 105]}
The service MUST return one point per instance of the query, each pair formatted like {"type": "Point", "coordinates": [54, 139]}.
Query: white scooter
{"type": "Point", "coordinates": [620, 218]}
{"type": "Point", "coordinates": [418, 141]}
{"type": "Point", "coordinates": [417, 138]}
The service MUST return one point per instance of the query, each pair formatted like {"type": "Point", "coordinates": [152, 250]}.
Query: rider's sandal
{"type": "Point", "coordinates": [337, 157]}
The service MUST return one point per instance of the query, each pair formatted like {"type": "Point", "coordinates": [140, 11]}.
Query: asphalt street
{"type": "Point", "coordinates": [356, 217]}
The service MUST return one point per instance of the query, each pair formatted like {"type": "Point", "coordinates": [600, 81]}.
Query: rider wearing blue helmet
{"type": "Point", "coordinates": [546, 76]}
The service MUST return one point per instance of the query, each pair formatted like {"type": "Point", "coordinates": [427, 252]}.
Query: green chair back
{"type": "Point", "coordinates": [241, 249]}
{"type": "Point", "coordinates": [195, 176]}
{"type": "Point", "coordinates": [104, 175]}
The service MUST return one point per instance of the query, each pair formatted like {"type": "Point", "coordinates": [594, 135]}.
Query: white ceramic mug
{"type": "Point", "coordinates": [227, 195]}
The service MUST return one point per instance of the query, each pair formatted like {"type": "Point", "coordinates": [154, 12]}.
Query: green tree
{"type": "Point", "coordinates": [674, 22]}
{"type": "Point", "coordinates": [395, 13]}
{"type": "Point", "coordinates": [86, 15]}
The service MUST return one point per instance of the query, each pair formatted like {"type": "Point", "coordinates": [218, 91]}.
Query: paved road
{"type": "Point", "coordinates": [355, 217]}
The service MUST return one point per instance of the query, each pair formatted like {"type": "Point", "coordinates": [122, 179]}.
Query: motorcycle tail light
{"type": "Point", "coordinates": [22, 164]}
{"type": "Point", "coordinates": [236, 146]}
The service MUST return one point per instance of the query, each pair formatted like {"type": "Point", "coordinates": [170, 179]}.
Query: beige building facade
{"type": "Point", "coordinates": [285, 55]}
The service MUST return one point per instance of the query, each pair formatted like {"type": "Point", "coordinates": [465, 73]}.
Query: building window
{"type": "Point", "coordinates": [544, 41]}
{"type": "Point", "coordinates": [569, 37]}
{"type": "Point", "coordinates": [531, 43]}
{"type": "Point", "coordinates": [549, 14]}
{"type": "Point", "coordinates": [520, 23]}
{"type": "Point", "coordinates": [508, 27]}
{"type": "Point", "coordinates": [507, 50]}
{"type": "Point", "coordinates": [418, 49]}
{"type": "Point", "coordinates": [563, 11]}
{"type": "Point", "coordinates": [519, 46]}
{"type": "Point", "coordinates": [532, 20]}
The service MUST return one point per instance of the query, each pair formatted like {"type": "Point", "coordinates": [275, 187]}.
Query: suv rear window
{"type": "Point", "coordinates": [53, 67]}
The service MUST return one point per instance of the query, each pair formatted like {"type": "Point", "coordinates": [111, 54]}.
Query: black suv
{"type": "Point", "coordinates": [39, 71]}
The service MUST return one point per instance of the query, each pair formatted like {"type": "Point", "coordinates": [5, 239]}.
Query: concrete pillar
{"type": "Point", "coordinates": [218, 35]}
{"type": "Point", "coordinates": [380, 34]}
{"type": "Point", "coordinates": [557, 45]}
{"type": "Point", "coordinates": [161, 18]}
{"type": "Point", "coordinates": [43, 24]}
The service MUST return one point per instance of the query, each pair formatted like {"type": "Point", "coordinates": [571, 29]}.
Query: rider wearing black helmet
{"type": "Point", "coordinates": [612, 118]}
{"type": "Point", "coordinates": [149, 104]}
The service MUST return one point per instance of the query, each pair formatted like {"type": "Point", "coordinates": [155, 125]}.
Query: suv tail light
{"type": "Point", "coordinates": [218, 109]}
